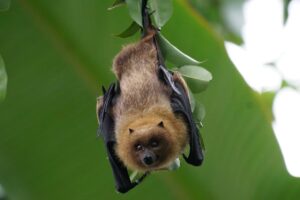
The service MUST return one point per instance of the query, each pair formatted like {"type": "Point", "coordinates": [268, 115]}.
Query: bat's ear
{"type": "Point", "coordinates": [103, 90]}
{"type": "Point", "coordinates": [161, 124]}
{"type": "Point", "coordinates": [130, 131]}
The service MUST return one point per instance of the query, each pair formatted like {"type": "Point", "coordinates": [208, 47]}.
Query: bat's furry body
{"type": "Point", "coordinates": [143, 110]}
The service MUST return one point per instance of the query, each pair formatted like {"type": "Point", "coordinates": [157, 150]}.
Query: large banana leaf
{"type": "Point", "coordinates": [58, 53]}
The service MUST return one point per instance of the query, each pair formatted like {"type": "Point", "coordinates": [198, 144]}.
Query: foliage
{"type": "Point", "coordinates": [4, 5]}
{"type": "Point", "coordinates": [57, 56]}
{"type": "Point", "coordinates": [131, 30]}
{"type": "Point", "coordinates": [3, 80]}
{"type": "Point", "coordinates": [225, 16]}
{"type": "Point", "coordinates": [174, 55]}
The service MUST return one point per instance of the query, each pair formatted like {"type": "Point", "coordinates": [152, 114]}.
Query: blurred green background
{"type": "Point", "coordinates": [57, 55]}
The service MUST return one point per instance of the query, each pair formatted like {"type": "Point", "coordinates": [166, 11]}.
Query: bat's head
{"type": "Point", "coordinates": [149, 146]}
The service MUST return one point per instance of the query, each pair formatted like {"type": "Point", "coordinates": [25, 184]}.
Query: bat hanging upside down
{"type": "Point", "coordinates": [145, 118]}
{"type": "Point", "coordinates": [149, 136]}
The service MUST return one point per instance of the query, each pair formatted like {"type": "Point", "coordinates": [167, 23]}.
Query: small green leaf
{"type": "Point", "coordinates": [134, 8]}
{"type": "Point", "coordinates": [199, 112]}
{"type": "Point", "coordinates": [196, 77]}
{"type": "Point", "coordinates": [174, 165]}
{"type": "Point", "coordinates": [4, 5]}
{"type": "Point", "coordinates": [286, 4]}
{"type": "Point", "coordinates": [3, 80]}
{"type": "Point", "coordinates": [116, 4]}
{"type": "Point", "coordinates": [133, 175]}
{"type": "Point", "coordinates": [2, 191]}
{"type": "Point", "coordinates": [192, 100]}
{"type": "Point", "coordinates": [131, 30]}
{"type": "Point", "coordinates": [162, 11]}
{"type": "Point", "coordinates": [173, 54]}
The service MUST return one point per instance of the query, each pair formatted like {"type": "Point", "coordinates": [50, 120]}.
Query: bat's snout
{"type": "Point", "coordinates": [149, 158]}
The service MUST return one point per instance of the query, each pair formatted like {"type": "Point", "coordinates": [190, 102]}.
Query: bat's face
{"type": "Point", "coordinates": [147, 148]}
{"type": "Point", "coordinates": [150, 150]}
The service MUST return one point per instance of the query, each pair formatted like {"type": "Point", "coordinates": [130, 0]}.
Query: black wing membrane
{"type": "Point", "coordinates": [181, 105]}
{"type": "Point", "coordinates": [106, 130]}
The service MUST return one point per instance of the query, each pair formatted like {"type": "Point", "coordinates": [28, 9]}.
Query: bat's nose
{"type": "Point", "coordinates": [148, 160]}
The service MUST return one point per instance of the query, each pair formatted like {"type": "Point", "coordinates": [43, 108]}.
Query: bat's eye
{"type": "Point", "coordinates": [139, 147]}
{"type": "Point", "coordinates": [154, 143]}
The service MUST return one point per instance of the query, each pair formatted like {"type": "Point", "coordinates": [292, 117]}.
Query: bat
{"type": "Point", "coordinates": [145, 117]}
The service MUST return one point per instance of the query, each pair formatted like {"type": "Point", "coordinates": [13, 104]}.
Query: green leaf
{"type": "Point", "coordinates": [134, 8]}
{"type": "Point", "coordinates": [4, 5]}
{"type": "Point", "coordinates": [2, 193]}
{"type": "Point", "coordinates": [196, 77]}
{"type": "Point", "coordinates": [131, 30]}
{"type": "Point", "coordinates": [174, 165]}
{"type": "Point", "coordinates": [162, 11]}
{"type": "Point", "coordinates": [286, 4]}
{"type": "Point", "coordinates": [199, 112]}
{"type": "Point", "coordinates": [117, 4]}
{"type": "Point", "coordinates": [3, 80]}
{"type": "Point", "coordinates": [134, 176]}
{"type": "Point", "coordinates": [226, 17]}
{"type": "Point", "coordinates": [173, 54]}
{"type": "Point", "coordinates": [192, 100]}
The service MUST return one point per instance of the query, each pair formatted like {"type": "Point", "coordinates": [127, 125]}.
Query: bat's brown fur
{"type": "Point", "coordinates": [143, 103]}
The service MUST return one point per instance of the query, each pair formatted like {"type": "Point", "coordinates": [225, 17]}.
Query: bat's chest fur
{"type": "Point", "coordinates": [141, 90]}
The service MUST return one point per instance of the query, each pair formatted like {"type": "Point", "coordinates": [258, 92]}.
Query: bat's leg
{"type": "Point", "coordinates": [148, 30]}
{"type": "Point", "coordinates": [99, 106]}
{"type": "Point", "coordinates": [145, 18]}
